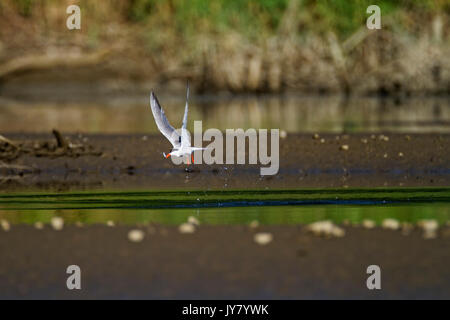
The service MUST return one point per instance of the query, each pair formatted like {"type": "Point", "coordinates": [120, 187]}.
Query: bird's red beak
{"type": "Point", "coordinates": [167, 155]}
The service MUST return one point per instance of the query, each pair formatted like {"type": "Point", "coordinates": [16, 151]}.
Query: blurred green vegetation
{"type": "Point", "coordinates": [276, 45]}
{"type": "Point", "coordinates": [251, 18]}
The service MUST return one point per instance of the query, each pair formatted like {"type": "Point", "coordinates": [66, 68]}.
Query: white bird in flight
{"type": "Point", "coordinates": [181, 143]}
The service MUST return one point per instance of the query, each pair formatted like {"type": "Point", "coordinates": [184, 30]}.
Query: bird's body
{"type": "Point", "coordinates": [181, 142]}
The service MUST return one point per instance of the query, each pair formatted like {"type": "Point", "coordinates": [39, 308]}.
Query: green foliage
{"type": "Point", "coordinates": [24, 7]}
{"type": "Point", "coordinates": [250, 18]}
{"type": "Point", "coordinates": [261, 17]}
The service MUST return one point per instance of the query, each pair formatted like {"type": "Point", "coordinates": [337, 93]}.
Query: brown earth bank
{"type": "Point", "coordinates": [221, 262]}
{"type": "Point", "coordinates": [38, 161]}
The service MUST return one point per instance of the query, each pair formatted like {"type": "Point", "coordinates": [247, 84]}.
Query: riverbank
{"type": "Point", "coordinates": [269, 46]}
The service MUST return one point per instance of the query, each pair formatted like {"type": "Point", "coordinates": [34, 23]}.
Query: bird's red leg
{"type": "Point", "coordinates": [192, 157]}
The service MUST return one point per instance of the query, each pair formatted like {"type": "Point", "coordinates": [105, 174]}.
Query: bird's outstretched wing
{"type": "Point", "coordinates": [186, 108]}
{"type": "Point", "coordinates": [163, 124]}
{"type": "Point", "coordinates": [185, 137]}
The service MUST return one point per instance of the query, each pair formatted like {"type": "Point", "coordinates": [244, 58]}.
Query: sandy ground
{"type": "Point", "coordinates": [221, 262]}
{"type": "Point", "coordinates": [136, 161]}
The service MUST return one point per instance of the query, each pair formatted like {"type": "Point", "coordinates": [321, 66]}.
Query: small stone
{"type": "Point", "coordinates": [428, 224]}
{"type": "Point", "coordinates": [326, 228]}
{"type": "Point", "coordinates": [344, 147]}
{"type": "Point", "coordinates": [322, 140]}
{"type": "Point", "coordinates": [385, 138]}
{"type": "Point", "coordinates": [373, 137]}
{"type": "Point", "coordinates": [193, 220]}
{"type": "Point", "coordinates": [186, 228]}
{"type": "Point", "coordinates": [316, 136]}
{"type": "Point", "coordinates": [144, 138]}
{"type": "Point", "coordinates": [110, 223]}
{"type": "Point", "coordinates": [337, 232]}
{"type": "Point", "coordinates": [136, 235]}
{"type": "Point", "coordinates": [283, 134]}
{"type": "Point", "coordinates": [385, 155]}
{"type": "Point", "coordinates": [429, 228]}
{"type": "Point", "coordinates": [368, 224]}
{"type": "Point", "coordinates": [364, 140]}
{"type": "Point", "coordinates": [5, 225]}
{"type": "Point", "coordinates": [254, 224]}
{"type": "Point", "coordinates": [39, 225]}
{"type": "Point", "coordinates": [390, 224]}
{"type": "Point", "coordinates": [400, 154]}
{"type": "Point", "coordinates": [263, 238]}
{"type": "Point", "coordinates": [406, 228]}
{"type": "Point", "coordinates": [57, 223]}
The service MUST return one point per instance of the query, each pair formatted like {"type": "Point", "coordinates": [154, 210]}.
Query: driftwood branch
{"type": "Point", "coordinates": [62, 143]}
{"type": "Point", "coordinates": [7, 141]}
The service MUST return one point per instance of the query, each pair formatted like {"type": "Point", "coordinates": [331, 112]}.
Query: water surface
{"type": "Point", "coordinates": [230, 207]}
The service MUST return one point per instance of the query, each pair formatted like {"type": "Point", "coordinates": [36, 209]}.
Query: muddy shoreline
{"type": "Point", "coordinates": [221, 262]}
{"type": "Point", "coordinates": [135, 162]}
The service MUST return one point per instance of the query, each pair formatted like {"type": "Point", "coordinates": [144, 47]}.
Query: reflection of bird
{"type": "Point", "coordinates": [181, 143]}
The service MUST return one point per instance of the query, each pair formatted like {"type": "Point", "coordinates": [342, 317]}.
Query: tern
{"type": "Point", "coordinates": [181, 143]}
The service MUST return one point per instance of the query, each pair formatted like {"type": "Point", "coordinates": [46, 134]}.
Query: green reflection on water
{"type": "Point", "coordinates": [230, 207]}
{"type": "Point", "coordinates": [274, 215]}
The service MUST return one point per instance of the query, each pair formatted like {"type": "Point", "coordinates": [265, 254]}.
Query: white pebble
{"type": "Point", "coordinates": [283, 134]}
{"type": "Point", "coordinates": [57, 223]}
{"type": "Point", "coordinates": [368, 224]}
{"type": "Point", "coordinates": [263, 238]}
{"type": "Point", "coordinates": [254, 224]}
{"type": "Point", "coordinates": [390, 224]}
{"type": "Point", "coordinates": [326, 228]}
{"type": "Point", "coordinates": [186, 228]}
{"type": "Point", "coordinates": [110, 223]}
{"type": "Point", "coordinates": [136, 235]}
{"type": "Point", "coordinates": [429, 228]}
{"type": "Point", "coordinates": [5, 225]}
{"type": "Point", "coordinates": [39, 225]}
{"type": "Point", "coordinates": [345, 147]}
{"type": "Point", "coordinates": [193, 220]}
